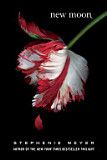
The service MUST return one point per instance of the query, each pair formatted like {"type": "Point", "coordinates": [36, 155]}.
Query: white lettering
{"type": "Point", "coordinates": [57, 15]}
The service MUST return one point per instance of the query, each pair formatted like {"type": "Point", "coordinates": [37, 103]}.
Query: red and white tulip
{"type": "Point", "coordinates": [59, 73]}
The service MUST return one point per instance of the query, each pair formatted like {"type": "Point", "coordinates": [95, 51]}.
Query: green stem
{"type": "Point", "coordinates": [84, 30]}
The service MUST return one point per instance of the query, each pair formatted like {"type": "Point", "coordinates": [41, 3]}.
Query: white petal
{"type": "Point", "coordinates": [33, 77]}
{"type": "Point", "coordinates": [78, 71]}
{"type": "Point", "coordinates": [25, 64]}
{"type": "Point", "coordinates": [37, 97]}
{"type": "Point", "coordinates": [34, 57]}
{"type": "Point", "coordinates": [54, 67]}
{"type": "Point", "coordinates": [56, 106]}
{"type": "Point", "coordinates": [59, 107]}
{"type": "Point", "coordinates": [53, 106]}
{"type": "Point", "coordinates": [33, 104]}
{"type": "Point", "coordinates": [33, 100]}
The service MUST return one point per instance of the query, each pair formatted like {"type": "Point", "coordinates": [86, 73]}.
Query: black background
{"type": "Point", "coordinates": [86, 120]}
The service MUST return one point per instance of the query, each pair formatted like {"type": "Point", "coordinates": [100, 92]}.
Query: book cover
{"type": "Point", "coordinates": [63, 110]}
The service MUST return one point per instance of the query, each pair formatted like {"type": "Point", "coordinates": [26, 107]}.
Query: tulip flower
{"type": "Point", "coordinates": [59, 73]}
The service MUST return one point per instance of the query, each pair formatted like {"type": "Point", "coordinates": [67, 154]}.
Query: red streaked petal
{"type": "Point", "coordinates": [54, 86]}
{"type": "Point", "coordinates": [68, 87]}
{"type": "Point", "coordinates": [34, 31]}
{"type": "Point", "coordinates": [32, 57]}
{"type": "Point", "coordinates": [75, 80]}
{"type": "Point", "coordinates": [58, 72]}
{"type": "Point", "coordinates": [47, 47]}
